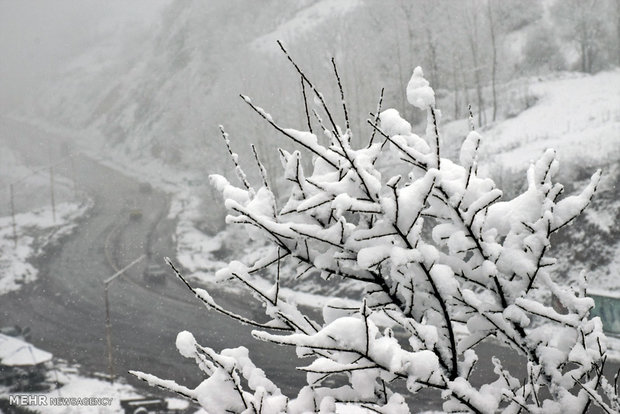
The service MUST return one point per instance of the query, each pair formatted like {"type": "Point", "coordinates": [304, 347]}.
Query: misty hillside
{"type": "Point", "coordinates": [161, 94]}
{"type": "Point", "coordinates": [25, 179]}
{"type": "Point", "coordinates": [586, 109]}
{"type": "Point", "coordinates": [164, 94]}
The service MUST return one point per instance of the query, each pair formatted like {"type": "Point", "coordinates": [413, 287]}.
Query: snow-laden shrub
{"type": "Point", "coordinates": [446, 264]}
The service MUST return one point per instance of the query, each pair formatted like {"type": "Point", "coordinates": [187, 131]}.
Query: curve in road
{"type": "Point", "coordinates": [65, 307]}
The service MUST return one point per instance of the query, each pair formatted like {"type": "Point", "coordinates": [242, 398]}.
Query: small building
{"type": "Point", "coordinates": [607, 307]}
{"type": "Point", "coordinates": [22, 365]}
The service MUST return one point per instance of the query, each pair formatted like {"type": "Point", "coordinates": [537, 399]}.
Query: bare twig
{"type": "Point", "coordinates": [376, 121]}
{"type": "Point", "coordinates": [239, 171]}
{"type": "Point", "coordinates": [344, 105]}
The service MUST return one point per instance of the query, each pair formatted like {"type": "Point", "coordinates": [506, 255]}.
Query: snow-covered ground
{"type": "Point", "coordinates": [36, 231]}
{"type": "Point", "coordinates": [199, 251]}
{"type": "Point", "coordinates": [577, 115]}
{"type": "Point", "coordinates": [31, 201]}
{"type": "Point", "coordinates": [78, 386]}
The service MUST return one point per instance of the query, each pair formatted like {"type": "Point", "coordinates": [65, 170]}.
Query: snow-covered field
{"type": "Point", "coordinates": [577, 115]}
{"type": "Point", "coordinates": [36, 231]}
{"type": "Point", "coordinates": [569, 110]}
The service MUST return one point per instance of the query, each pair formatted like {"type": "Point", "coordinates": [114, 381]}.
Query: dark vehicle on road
{"type": "Point", "coordinates": [135, 212]}
{"type": "Point", "coordinates": [155, 273]}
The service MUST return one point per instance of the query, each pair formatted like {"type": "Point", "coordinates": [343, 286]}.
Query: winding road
{"type": "Point", "coordinates": [65, 307]}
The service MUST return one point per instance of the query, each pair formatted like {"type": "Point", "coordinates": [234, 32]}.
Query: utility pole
{"type": "Point", "coordinates": [13, 215]}
{"type": "Point", "coordinates": [108, 323]}
{"type": "Point", "coordinates": [72, 165]}
{"type": "Point", "coordinates": [52, 194]}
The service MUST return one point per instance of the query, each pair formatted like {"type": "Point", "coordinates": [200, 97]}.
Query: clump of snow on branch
{"type": "Point", "coordinates": [438, 250]}
{"type": "Point", "coordinates": [419, 92]}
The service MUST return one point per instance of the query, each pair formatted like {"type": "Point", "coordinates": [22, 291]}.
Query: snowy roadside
{"type": "Point", "coordinates": [181, 186]}
{"type": "Point", "coordinates": [36, 230]}
{"type": "Point", "coordinates": [199, 253]}
{"type": "Point", "coordinates": [203, 255]}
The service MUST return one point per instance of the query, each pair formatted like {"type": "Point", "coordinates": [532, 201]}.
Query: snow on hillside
{"type": "Point", "coordinates": [159, 95]}
{"type": "Point", "coordinates": [304, 21]}
{"type": "Point", "coordinates": [592, 243]}
{"type": "Point", "coordinates": [580, 118]}
{"type": "Point", "coordinates": [35, 232]}
{"type": "Point", "coordinates": [568, 111]}
{"type": "Point", "coordinates": [577, 116]}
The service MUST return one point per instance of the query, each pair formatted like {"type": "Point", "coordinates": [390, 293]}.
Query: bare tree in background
{"type": "Point", "coordinates": [583, 22]}
{"type": "Point", "coordinates": [471, 10]}
{"type": "Point", "coordinates": [493, 32]}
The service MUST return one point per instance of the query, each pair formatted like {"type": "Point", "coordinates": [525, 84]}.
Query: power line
{"type": "Point", "coordinates": [43, 168]}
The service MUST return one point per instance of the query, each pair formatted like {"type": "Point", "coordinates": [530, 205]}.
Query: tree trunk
{"type": "Point", "coordinates": [474, 56]}
{"type": "Point", "coordinates": [455, 87]}
{"type": "Point", "coordinates": [584, 57]}
{"type": "Point", "coordinates": [472, 37]}
{"type": "Point", "coordinates": [494, 59]}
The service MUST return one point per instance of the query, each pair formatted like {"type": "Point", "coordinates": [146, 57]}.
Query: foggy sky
{"type": "Point", "coordinates": [39, 37]}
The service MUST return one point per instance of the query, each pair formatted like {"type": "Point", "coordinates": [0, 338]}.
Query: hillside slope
{"type": "Point", "coordinates": [579, 117]}
{"type": "Point", "coordinates": [164, 99]}
{"type": "Point", "coordinates": [590, 105]}
{"type": "Point", "coordinates": [160, 95]}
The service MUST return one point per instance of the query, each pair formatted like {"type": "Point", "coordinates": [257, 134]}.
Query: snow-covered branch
{"type": "Point", "coordinates": [445, 263]}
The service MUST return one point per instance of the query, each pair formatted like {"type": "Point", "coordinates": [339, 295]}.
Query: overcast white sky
{"type": "Point", "coordinates": [37, 37]}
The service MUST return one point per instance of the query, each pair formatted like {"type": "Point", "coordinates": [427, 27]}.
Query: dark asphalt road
{"type": "Point", "coordinates": [65, 307]}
